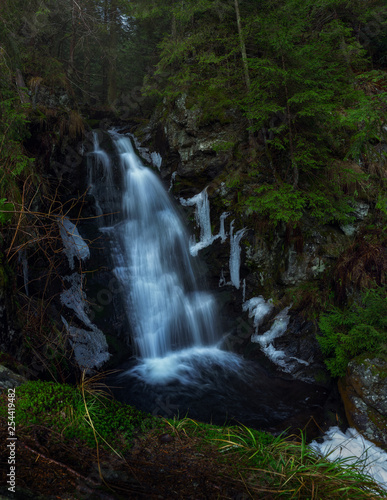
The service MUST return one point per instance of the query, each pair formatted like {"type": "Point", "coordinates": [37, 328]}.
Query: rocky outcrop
{"type": "Point", "coordinates": [9, 379]}
{"type": "Point", "coordinates": [363, 390]}
{"type": "Point", "coordinates": [289, 259]}
{"type": "Point", "coordinates": [193, 149]}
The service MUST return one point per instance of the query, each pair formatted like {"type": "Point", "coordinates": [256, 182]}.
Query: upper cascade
{"type": "Point", "coordinates": [152, 259]}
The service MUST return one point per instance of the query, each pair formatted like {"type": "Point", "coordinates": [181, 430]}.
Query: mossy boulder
{"type": "Point", "coordinates": [364, 393]}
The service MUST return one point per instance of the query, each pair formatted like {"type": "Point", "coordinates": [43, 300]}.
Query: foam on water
{"type": "Point", "coordinates": [187, 366]}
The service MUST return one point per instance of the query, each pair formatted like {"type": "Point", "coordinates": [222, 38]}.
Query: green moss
{"type": "Point", "coordinates": [62, 407]}
{"type": "Point", "coordinates": [379, 369]}
{"type": "Point", "coordinates": [223, 146]}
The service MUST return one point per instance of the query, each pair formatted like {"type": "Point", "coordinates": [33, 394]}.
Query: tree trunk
{"type": "Point", "coordinates": [21, 87]}
{"type": "Point", "coordinates": [252, 140]}
{"type": "Point", "coordinates": [243, 46]}
{"type": "Point", "coordinates": [113, 38]}
{"type": "Point", "coordinates": [73, 41]}
{"type": "Point", "coordinates": [294, 163]}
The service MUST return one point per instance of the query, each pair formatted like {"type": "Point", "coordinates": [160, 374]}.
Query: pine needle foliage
{"type": "Point", "coordinates": [354, 330]}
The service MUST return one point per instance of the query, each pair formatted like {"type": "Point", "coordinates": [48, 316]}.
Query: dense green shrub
{"type": "Point", "coordinates": [360, 328]}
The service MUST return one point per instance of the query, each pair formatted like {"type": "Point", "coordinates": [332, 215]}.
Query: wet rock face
{"type": "Point", "coordinates": [194, 149]}
{"type": "Point", "coordinates": [303, 355]}
{"type": "Point", "coordinates": [275, 259]}
{"type": "Point", "coordinates": [9, 379]}
{"type": "Point", "coordinates": [45, 96]}
{"type": "Point", "coordinates": [364, 393]}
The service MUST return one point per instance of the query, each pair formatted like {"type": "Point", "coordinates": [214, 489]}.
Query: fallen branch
{"type": "Point", "coordinates": [60, 464]}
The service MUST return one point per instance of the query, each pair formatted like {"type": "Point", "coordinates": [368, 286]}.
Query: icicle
{"type": "Point", "coordinates": [90, 347]}
{"type": "Point", "coordinates": [244, 290]}
{"type": "Point", "coordinates": [156, 160]}
{"type": "Point", "coordinates": [74, 244]}
{"type": "Point", "coordinates": [202, 215]}
{"type": "Point", "coordinates": [258, 309]}
{"type": "Point", "coordinates": [277, 329]}
{"type": "Point", "coordinates": [222, 232]}
{"type": "Point", "coordinates": [235, 254]}
{"type": "Point", "coordinates": [75, 298]}
{"type": "Point", "coordinates": [173, 177]}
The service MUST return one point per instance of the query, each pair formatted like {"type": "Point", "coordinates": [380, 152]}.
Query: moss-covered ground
{"type": "Point", "coordinates": [78, 443]}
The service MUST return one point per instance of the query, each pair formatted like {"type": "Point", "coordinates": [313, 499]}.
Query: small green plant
{"type": "Point", "coordinates": [285, 204]}
{"type": "Point", "coordinates": [79, 413]}
{"type": "Point", "coordinates": [223, 146]}
{"type": "Point", "coordinates": [348, 332]}
{"type": "Point", "coordinates": [6, 211]}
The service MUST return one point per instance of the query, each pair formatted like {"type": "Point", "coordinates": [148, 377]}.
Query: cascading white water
{"type": "Point", "coordinates": [101, 182]}
{"type": "Point", "coordinates": [172, 320]}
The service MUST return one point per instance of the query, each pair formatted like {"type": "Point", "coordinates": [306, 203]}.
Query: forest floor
{"type": "Point", "coordinates": [161, 464]}
{"type": "Point", "coordinates": [71, 445]}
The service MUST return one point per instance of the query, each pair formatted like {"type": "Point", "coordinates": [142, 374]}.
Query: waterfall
{"type": "Point", "coordinates": [168, 313]}
{"type": "Point", "coordinates": [101, 182]}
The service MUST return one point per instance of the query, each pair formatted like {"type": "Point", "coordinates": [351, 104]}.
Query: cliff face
{"type": "Point", "coordinates": [363, 390]}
